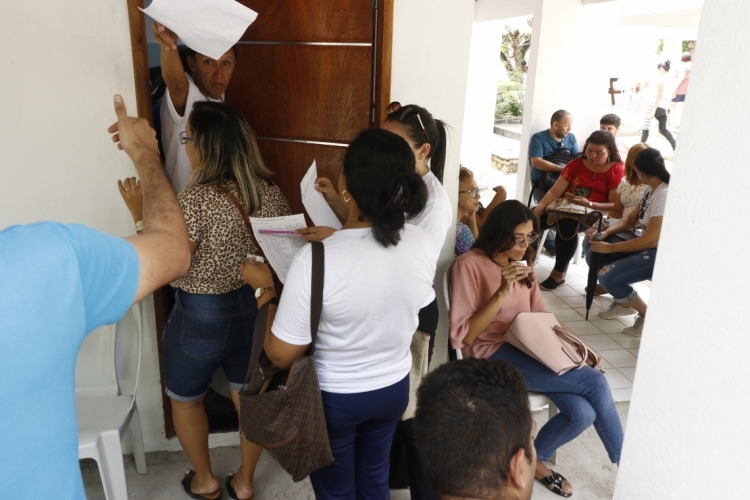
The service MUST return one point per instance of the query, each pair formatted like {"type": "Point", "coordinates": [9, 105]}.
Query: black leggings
{"type": "Point", "coordinates": [661, 117]}
{"type": "Point", "coordinates": [565, 250]}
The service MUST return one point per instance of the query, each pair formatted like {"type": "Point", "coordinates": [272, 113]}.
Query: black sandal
{"type": "Point", "coordinates": [197, 496]}
{"type": "Point", "coordinates": [555, 480]}
{"type": "Point", "coordinates": [231, 491]}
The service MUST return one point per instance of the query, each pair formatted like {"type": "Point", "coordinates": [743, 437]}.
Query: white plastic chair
{"type": "Point", "coordinates": [536, 401]}
{"type": "Point", "coordinates": [104, 413]}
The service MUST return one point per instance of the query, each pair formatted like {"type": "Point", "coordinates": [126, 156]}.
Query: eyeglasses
{"type": "Point", "coordinates": [406, 116]}
{"type": "Point", "coordinates": [184, 138]}
{"type": "Point", "coordinates": [521, 239]}
{"type": "Point", "coordinates": [474, 193]}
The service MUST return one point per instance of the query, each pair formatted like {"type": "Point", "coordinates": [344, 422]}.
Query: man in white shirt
{"type": "Point", "coordinates": [210, 78]}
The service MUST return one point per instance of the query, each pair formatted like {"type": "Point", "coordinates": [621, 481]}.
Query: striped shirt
{"type": "Point", "coordinates": [652, 205]}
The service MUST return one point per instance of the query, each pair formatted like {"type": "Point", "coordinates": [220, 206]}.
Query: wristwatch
{"type": "Point", "coordinates": [260, 291]}
{"type": "Point", "coordinates": [591, 204]}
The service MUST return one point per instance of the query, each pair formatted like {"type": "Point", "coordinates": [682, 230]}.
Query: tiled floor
{"type": "Point", "coordinates": [568, 303]}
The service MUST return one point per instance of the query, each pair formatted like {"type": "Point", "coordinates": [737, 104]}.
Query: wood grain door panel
{"type": "Point", "coordinates": [290, 160]}
{"type": "Point", "coordinates": [318, 93]}
{"type": "Point", "coordinates": [349, 21]}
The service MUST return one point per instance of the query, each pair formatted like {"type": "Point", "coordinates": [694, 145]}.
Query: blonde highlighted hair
{"type": "Point", "coordinates": [630, 174]}
{"type": "Point", "coordinates": [226, 145]}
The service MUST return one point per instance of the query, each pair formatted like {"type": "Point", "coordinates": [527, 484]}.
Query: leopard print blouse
{"type": "Point", "coordinates": [214, 223]}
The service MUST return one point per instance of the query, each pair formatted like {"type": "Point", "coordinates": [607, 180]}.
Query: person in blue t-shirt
{"type": "Point", "coordinates": [59, 283]}
{"type": "Point", "coordinates": [544, 143]}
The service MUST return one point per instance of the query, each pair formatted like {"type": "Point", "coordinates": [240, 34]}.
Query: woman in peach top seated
{"type": "Point", "coordinates": [490, 285]}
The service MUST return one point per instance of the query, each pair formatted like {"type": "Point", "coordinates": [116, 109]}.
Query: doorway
{"type": "Point", "coordinates": [310, 75]}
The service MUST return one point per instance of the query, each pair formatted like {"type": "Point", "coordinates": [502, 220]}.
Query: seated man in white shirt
{"type": "Point", "coordinates": [210, 78]}
{"type": "Point", "coordinates": [611, 123]}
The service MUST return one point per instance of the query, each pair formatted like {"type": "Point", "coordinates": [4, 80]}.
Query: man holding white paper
{"type": "Point", "coordinates": [210, 77]}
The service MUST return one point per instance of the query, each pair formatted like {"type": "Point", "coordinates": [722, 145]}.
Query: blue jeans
{"type": "Point", "coordinates": [360, 429]}
{"type": "Point", "coordinates": [204, 332]}
{"type": "Point", "coordinates": [582, 396]}
{"type": "Point", "coordinates": [616, 275]}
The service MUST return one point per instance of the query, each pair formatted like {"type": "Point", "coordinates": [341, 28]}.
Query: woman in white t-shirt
{"type": "Point", "coordinates": [619, 271]}
{"type": "Point", "coordinates": [631, 189]}
{"type": "Point", "coordinates": [378, 274]}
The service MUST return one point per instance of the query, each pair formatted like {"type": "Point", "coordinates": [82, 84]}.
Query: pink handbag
{"type": "Point", "coordinates": [542, 337]}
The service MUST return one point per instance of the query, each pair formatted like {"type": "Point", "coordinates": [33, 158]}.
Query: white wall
{"type": "Point", "coordinates": [431, 40]}
{"type": "Point", "coordinates": [687, 434]}
{"type": "Point", "coordinates": [481, 93]}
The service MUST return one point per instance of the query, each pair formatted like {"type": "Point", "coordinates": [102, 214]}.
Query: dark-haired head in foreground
{"type": "Point", "coordinates": [380, 177]}
{"type": "Point", "coordinates": [474, 431]}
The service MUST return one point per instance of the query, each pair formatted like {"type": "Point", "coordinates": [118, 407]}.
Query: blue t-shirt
{"type": "Point", "coordinates": [543, 144]}
{"type": "Point", "coordinates": [59, 282]}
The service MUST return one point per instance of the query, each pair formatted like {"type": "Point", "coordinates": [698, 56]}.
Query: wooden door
{"type": "Point", "coordinates": [310, 75]}
{"type": "Point", "coordinates": [306, 82]}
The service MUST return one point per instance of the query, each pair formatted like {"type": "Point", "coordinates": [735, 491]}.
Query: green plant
{"type": "Point", "coordinates": [515, 45]}
{"type": "Point", "coordinates": [510, 100]}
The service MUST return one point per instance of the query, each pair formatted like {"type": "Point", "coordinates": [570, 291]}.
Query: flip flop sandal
{"type": "Point", "coordinates": [555, 480]}
{"type": "Point", "coordinates": [231, 491]}
{"type": "Point", "coordinates": [186, 486]}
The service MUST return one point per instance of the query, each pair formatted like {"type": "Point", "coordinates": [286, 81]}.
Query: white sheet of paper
{"type": "Point", "coordinates": [279, 248]}
{"type": "Point", "coordinates": [209, 27]}
{"type": "Point", "coordinates": [315, 203]}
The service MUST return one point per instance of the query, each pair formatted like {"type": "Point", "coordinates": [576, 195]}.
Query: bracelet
{"type": "Point", "coordinates": [139, 226]}
{"type": "Point", "coordinates": [591, 204]}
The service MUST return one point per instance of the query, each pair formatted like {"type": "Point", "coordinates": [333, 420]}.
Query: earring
{"type": "Point", "coordinates": [343, 195]}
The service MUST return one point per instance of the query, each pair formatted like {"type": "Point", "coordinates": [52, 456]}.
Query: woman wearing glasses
{"type": "Point", "coordinates": [212, 322]}
{"type": "Point", "coordinates": [491, 284]}
{"type": "Point", "coordinates": [590, 181]}
{"type": "Point", "coordinates": [466, 217]}
{"type": "Point", "coordinates": [635, 257]}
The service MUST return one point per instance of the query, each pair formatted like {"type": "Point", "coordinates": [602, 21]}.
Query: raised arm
{"type": "Point", "coordinates": [162, 249]}
{"type": "Point", "coordinates": [172, 70]}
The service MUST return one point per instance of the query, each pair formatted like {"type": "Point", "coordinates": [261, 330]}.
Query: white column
{"type": "Point", "coordinates": [688, 434]}
{"type": "Point", "coordinates": [481, 91]}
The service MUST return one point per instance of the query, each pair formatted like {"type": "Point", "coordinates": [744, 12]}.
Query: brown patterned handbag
{"type": "Point", "coordinates": [282, 410]}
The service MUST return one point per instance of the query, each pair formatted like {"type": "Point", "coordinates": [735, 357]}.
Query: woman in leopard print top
{"type": "Point", "coordinates": [212, 322]}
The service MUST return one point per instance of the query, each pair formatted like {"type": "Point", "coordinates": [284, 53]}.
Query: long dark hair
{"type": "Point", "coordinates": [650, 162]}
{"type": "Point", "coordinates": [413, 117]}
{"type": "Point", "coordinates": [603, 138]}
{"type": "Point", "coordinates": [498, 232]}
{"type": "Point", "coordinates": [380, 176]}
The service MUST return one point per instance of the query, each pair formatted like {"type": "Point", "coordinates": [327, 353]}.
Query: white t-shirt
{"type": "Point", "coordinates": [177, 165]}
{"type": "Point", "coordinates": [371, 299]}
{"type": "Point", "coordinates": [436, 218]}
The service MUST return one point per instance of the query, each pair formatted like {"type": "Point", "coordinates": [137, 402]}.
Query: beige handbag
{"type": "Point", "coordinates": [559, 209]}
{"type": "Point", "coordinates": [543, 338]}
{"type": "Point", "coordinates": [420, 347]}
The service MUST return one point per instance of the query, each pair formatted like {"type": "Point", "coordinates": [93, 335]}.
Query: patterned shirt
{"type": "Point", "coordinates": [630, 196]}
{"type": "Point", "coordinates": [223, 240]}
{"type": "Point", "coordinates": [464, 238]}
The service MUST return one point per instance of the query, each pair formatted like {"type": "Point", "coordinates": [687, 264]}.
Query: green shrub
{"type": "Point", "coordinates": [510, 100]}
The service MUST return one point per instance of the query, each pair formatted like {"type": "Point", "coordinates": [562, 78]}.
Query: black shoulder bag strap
{"type": "Point", "coordinates": [316, 307]}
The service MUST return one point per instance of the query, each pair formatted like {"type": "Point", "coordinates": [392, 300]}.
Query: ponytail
{"type": "Point", "coordinates": [422, 128]}
{"type": "Point", "coordinates": [650, 162]}
{"type": "Point", "coordinates": [381, 178]}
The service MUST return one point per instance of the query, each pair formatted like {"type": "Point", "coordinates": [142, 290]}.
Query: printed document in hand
{"type": "Point", "coordinates": [209, 27]}
{"type": "Point", "coordinates": [279, 248]}
{"type": "Point", "coordinates": [315, 203]}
